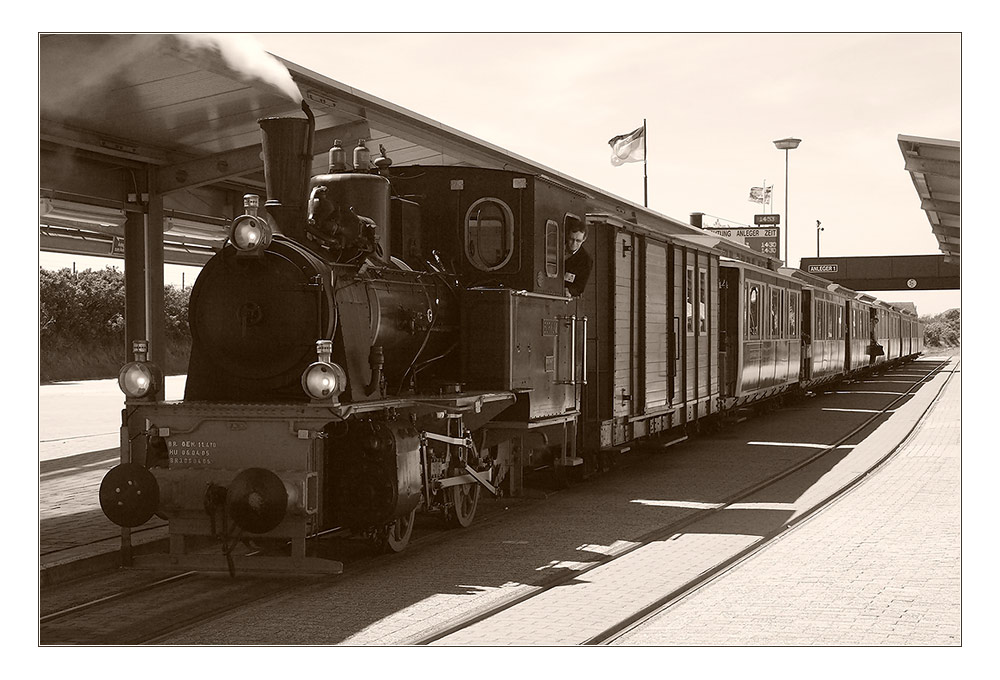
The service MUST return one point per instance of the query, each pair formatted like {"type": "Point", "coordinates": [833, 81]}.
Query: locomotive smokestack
{"type": "Point", "coordinates": [287, 145]}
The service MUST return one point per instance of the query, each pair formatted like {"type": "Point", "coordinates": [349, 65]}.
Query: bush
{"type": "Point", "coordinates": [943, 330]}
{"type": "Point", "coordinates": [82, 325]}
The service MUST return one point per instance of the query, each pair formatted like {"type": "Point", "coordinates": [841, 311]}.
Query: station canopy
{"type": "Point", "coordinates": [122, 115]}
{"type": "Point", "coordinates": [935, 166]}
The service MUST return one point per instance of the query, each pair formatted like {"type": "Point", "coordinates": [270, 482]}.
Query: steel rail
{"type": "Point", "coordinates": [95, 541]}
{"type": "Point", "coordinates": [627, 625]}
{"type": "Point", "coordinates": [132, 592]}
{"type": "Point", "coordinates": [115, 596]}
{"type": "Point", "coordinates": [663, 532]}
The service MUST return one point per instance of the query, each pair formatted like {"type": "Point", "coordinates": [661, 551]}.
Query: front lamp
{"type": "Point", "coordinates": [140, 378]}
{"type": "Point", "coordinates": [324, 380]}
{"type": "Point", "coordinates": [250, 233]}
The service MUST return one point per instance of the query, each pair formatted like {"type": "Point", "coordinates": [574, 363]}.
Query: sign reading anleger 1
{"type": "Point", "coordinates": [762, 239]}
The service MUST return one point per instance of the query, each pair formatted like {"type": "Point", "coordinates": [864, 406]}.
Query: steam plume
{"type": "Point", "coordinates": [77, 72]}
{"type": "Point", "coordinates": [240, 55]}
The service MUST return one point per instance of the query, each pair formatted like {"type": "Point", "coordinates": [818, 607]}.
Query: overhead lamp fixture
{"type": "Point", "coordinates": [786, 145]}
{"type": "Point", "coordinates": [59, 212]}
{"type": "Point", "coordinates": [209, 228]}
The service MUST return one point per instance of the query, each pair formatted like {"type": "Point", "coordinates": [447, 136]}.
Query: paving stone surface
{"type": "Point", "coordinates": [880, 566]}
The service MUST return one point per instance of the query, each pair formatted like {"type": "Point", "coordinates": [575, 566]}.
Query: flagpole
{"type": "Point", "coordinates": [645, 181]}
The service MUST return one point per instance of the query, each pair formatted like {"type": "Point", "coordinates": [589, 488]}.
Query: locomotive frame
{"type": "Point", "coordinates": [443, 355]}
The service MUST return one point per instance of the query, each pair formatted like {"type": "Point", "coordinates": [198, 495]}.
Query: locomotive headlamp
{"type": "Point", "coordinates": [250, 232]}
{"type": "Point", "coordinates": [323, 379]}
{"type": "Point", "coordinates": [139, 378]}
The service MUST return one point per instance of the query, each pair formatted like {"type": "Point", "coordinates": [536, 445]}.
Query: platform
{"type": "Point", "coordinates": [879, 566]}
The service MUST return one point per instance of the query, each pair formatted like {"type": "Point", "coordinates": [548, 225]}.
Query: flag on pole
{"type": "Point", "coordinates": [760, 194]}
{"type": "Point", "coordinates": [629, 148]}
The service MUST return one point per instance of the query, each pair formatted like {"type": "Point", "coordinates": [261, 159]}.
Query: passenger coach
{"type": "Point", "coordinates": [761, 347]}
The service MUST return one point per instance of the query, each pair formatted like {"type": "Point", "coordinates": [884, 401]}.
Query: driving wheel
{"type": "Point", "coordinates": [398, 533]}
{"type": "Point", "coordinates": [464, 500]}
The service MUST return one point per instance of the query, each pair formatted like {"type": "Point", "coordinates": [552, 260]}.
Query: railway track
{"type": "Point", "coordinates": [203, 598]}
{"type": "Point", "coordinates": [622, 628]}
{"type": "Point", "coordinates": [121, 616]}
{"type": "Point", "coordinates": [629, 623]}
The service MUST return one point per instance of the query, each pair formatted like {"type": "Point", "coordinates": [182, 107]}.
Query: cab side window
{"type": "Point", "coordinates": [552, 245]}
{"type": "Point", "coordinates": [489, 234]}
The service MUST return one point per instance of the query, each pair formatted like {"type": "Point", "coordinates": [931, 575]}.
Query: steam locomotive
{"type": "Point", "coordinates": [378, 340]}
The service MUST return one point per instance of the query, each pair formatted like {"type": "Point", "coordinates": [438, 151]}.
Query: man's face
{"type": "Point", "coordinates": [574, 240]}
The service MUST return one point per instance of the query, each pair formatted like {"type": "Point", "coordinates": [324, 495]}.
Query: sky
{"type": "Point", "coordinates": [713, 104]}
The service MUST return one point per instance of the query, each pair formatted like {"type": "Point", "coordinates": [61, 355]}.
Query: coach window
{"type": "Point", "coordinates": [702, 305]}
{"type": "Point", "coordinates": [782, 319]}
{"type": "Point", "coordinates": [840, 321]}
{"type": "Point", "coordinates": [552, 243]}
{"type": "Point", "coordinates": [489, 234]}
{"type": "Point", "coordinates": [746, 310]}
{"type": "Point", "coordinates": [793, 307]}
{"type": "Point", "coordinates": [753, 311]}
{"type": "Point", "coordinates": [689, 297]}
{"type": "Point", "coordinates": [773, 311]}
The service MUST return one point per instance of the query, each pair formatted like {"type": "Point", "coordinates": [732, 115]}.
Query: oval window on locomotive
{"type": "Point", "coordinates": [489, 234]}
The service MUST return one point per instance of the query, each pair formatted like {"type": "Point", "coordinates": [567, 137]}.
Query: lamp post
{"type": "Point", "coordinates": [786, 144]}
{"type": "Point", "coordinates": [818, 229]}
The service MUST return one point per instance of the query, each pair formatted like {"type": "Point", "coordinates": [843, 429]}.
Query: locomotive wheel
{"type": "Point", "coordinates": [397, 535]}
{"type": "Point", "coordinates": [464, 500]}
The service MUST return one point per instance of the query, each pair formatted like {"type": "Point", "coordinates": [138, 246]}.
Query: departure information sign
{"type": "Point", "coordinates": [764, 240]}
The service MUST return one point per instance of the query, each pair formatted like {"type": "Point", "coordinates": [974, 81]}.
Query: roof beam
{"type": "Point", "coordinates": [51, 241]}
{"type": "Point", "coordinates": [232, 164]}
{"type": "Point", "coordinates": [932, 166]}
{"type": "Point", "coordinates": [888, 272]}
{"type": "Point", "coordinates": [937, 205]}
{"type": "Point", "coordinates": [62, 135]}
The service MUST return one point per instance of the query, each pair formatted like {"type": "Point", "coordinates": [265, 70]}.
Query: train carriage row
{"type": "Point", "coordinates": [375, 341]}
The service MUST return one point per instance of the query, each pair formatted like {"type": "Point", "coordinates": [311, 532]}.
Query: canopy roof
{"type": "Point", "coordinates": [114, 106]}
{"type": "Point", "coordinates": [935, 166]}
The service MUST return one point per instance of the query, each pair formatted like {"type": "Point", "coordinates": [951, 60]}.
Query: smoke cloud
{"type": "Point", "coordinates": [76, 72]}
{"type": "Point", "coordinates": [240, 55]}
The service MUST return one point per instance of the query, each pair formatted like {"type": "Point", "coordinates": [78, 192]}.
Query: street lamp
{"type": "Point", "coordinates": [786, 144]}
{"type": "Point", "coordinates": [818, 229]}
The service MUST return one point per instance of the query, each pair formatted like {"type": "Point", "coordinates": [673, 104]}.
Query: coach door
{"type": "Point", "coordinates": [807, 334]}
{"type": "Point", "coordinates": [694, 319]}
{"type": "Point", "coordinates": [657, 325]}
{"type": "Point", "coordinates": [625, 329]}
